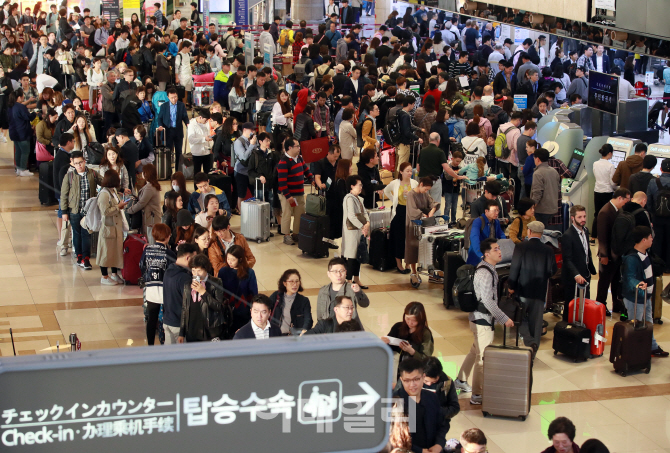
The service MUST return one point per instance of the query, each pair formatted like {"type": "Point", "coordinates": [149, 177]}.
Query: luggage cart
{"type": "Point", "coordinates": [426, 233]}
{"type": "Point", "coordinates": [471, 191]}
{"type": "Point", "coordinates": [203, 93]}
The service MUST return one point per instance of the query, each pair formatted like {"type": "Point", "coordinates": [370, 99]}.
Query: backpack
{"type": "Point", "coordinates": [464, 289]}
{"type": "Point", "coordinates": [391, 131]}
{"type": "Point", "coordinates": [359, 132]}
{"type": "Point", "coordinates": [502, 150]}
{"type": "Point", "coordinates": [621, 240]}
{"type": "Point", "coordinates": [662, 203]}
{"type": "Point", "coordinates": [284, 38]}
{"type": "Point", "coordinates": [466, 233]}
{"type": "Point", "coordinates": [92, 219]}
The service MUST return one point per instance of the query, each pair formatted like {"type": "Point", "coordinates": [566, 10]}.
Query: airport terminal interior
{"type": "Point", "coordinates": [45, 297]}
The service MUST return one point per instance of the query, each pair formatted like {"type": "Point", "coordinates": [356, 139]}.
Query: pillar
{"type": "Point", "coordinates": [309, 10]}
{"type": "Point", "coordinates": [382, 10]}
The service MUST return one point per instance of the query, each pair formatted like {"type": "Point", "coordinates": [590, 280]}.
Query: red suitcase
{"type": "Point", "coordinates": [594, 320]}
{"type": "Point", "coordinates": [133, 247]}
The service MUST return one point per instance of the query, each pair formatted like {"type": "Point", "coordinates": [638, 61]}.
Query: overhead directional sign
{"type": "Point", "coordinates": [326, 393]}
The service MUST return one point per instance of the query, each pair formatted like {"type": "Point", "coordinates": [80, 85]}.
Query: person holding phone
{"type": "Point", "coordinates": [113, 224]}
{"type": "Point", "coordinates": [416, 339]}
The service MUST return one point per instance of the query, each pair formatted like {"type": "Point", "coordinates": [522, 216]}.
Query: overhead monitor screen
{"type": "Point", "coordinates": [603, 92]}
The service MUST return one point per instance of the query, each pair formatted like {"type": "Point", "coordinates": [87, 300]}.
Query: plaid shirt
{"type": "Point", "coordinates": [322, 118]}
{"type": "Point", "coordinates": [84, 190]}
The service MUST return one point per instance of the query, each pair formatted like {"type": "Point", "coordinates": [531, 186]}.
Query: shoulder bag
{"type": "Point", "coordinates": [359, 215]}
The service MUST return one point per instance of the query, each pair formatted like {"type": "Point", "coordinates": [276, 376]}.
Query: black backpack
{"type": "Point", "coordinates": [391, 131]}
{"type": "Point", "coordinates": [464, 288]}
{"type": "Point", "coordinates": [662, 203]}
{"type": "Point", "coordinates": [621, 240]}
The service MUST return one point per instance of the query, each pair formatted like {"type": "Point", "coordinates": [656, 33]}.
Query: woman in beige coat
{"type": "Point", "coordinates": [149, 199]}
{"type": "Point", "coordinates": [110, 237]}
{"type": "Point", "coordinates": [347, 139]}
{"type": "Point", "coordinates": [354, 214]}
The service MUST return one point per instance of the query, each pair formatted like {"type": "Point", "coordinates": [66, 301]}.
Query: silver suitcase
{"type": "Point", "coordinates": [255, 219]}
{"type": "Point", "coordinates": [426, 252]}
{"type": "Point", "coordinates": [379, 217]}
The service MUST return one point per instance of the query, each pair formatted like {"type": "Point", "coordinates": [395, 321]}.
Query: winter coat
{"type": "Point", "coordinates": [150, 204]}
{"type": "Point", "coordinates": [625, 169]}
{"type": "Point", "coordinates": [110, 237]}
{"type": "Point", "coordinates": [350, 238]}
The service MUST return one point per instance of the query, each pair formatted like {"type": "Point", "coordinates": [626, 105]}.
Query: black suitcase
{"type": "Point", "coordinates": [47, 194]}
{"type": "Point", "coordinates": [573, 339]}
{"type": "Point", "coordinates": [629, 341]}
{"type": "Point", "coordinates": [444, 244]}
{"type": "Point", "coordinates": [313, 229]}
{"type": "Point", "coordinates": [382, 257]}
{"type": "Point", "coordinates": [452, 261]}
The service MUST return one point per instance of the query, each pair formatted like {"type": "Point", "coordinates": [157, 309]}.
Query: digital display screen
{"type": "Point", "coordinates": [618, 156]}
{"type": "Point", "coordinates": [574, 166]}
{"type": "Point", "coordinates": [603, 92]}
{"type": "Point", "coordinates": [216, 6]}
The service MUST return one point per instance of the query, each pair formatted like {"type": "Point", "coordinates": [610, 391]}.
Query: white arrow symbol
{"type": "Point", "coordinates": [368, 399]}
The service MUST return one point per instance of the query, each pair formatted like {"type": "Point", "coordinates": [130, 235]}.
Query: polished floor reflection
{"type": "Point", "coordinates": [46, 297]}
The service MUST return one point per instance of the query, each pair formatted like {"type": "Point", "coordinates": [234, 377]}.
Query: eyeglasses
{"type": "Point", "coordinates": [346, 307]}
{"type": "Point", "coordinates": [339, 271]}
{"type": "Point", "coordinates": [293, 282]}
{"type": "Point", "coordinates": [412, 381]}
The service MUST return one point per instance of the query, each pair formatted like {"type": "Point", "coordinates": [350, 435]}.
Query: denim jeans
{"type": "Point", "coordinates": [648, 315]}
{"type": "Point", "coordinates": [436, 194]}
{"type": "Point", "coordinates": [268, 195]}
{"type": "Point", "coordinates": [21, 153]}
{"type": "Point", "coordinates": [451, 205]}
{"type": "Point", "coordinates": [81, 240]}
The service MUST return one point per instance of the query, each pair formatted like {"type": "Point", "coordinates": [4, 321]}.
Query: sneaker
{"type": "Point", "coordinates": [658, 352]}
{"type": "Point", "coordinates": [63, 251]}
{"type": "Point", "coordinates": [86, 264]}
{"type": "Point", "coordinates": [476, 400]}
{"type": "Point", "coordinates": [288, 240]}
{"type": "Point", "coordinates": [80, 261]}
{"type": "Point", "coordinates": [117, 278]}
{"type": "Point", "coordinates": [107, 281]}
{"type": "Point", "coordinates": [25, 173]}
{"type": "Point", "coordinates": [462, 385]}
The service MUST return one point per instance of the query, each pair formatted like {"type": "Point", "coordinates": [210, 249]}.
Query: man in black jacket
{"type": "Point", "coordinates": [437, 381]}
{"type": "Point", "coordinates": [129, 152]}
{"type": "Point", "coordinates": [577, 262]}
{"type": "Point", "coordinates": [422, 407]}
{"type": "Point", "coordinates": [407, 135]}
{"type": "Point", "coordinates": [505, 79]}
{"type": "Point", "coordinates": [259, 327]}
{"type": "Point", "coordinates": [533, 263]}
{"type": "Point", "coordinates": [354, 86]}
{"type": "Point", "coordinates": [530, 87]}
{"type": "Point", "coordinates": [344, 311]}
{"type": "Point", "coordinates": [176, 277]}
{"type": "Point", "coordinates": [53, 67]}
{"type": "Point", "coordinates": [64, 124]}
{"type": "Point", "coordinates": [640, 180]}
{"type": "Point", "coordinates": [368, 170]}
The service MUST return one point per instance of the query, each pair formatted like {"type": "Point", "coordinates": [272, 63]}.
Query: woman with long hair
{"type": "Point", "coordinates": [149, 198]}
{"type": "Point", "coordinates": [424, 117]}
{"type": "Point", "coordinates": [237, 99]}
{"type": "Point", "coordinates": [110, 245]}
{"type": "Point", "coordinates": [112, 160]}
{"type": "Point", "coordinates": [417, 339]}
{"type": "Point", "coordinates": [383, 67]}
{"type": "Point", "coordinates": [374, 43]}
{"type": "Point", "coordinates": [564, 79]}
{"type": "Point", "coordinates": [185, 228]}
{"type": "Point", "coordinates": [342, 172]}
{"type": "Point", "coordinates": [178, 184]}
{"type": "Point", "coordinates": [419, 206]}
{"type": "Point", "coordinates": [397, 191]}
{"type": "Point", "coordinates": [44, 130]}
{"type": "Point", "coordinates": [450, 95]}
{"type": "Point", "coordinates": [473, 143]}
{"type": "Point", "coordinates": [484, 124]}
{"type": "Point", "coordinates": [297, 46]}
{"type": "Point", "coordinates": [20, 131]}
{"type": "Point", "coordinates": [282, 116]}
{"type": "Point", "coordinates": [172, 205]}
{"type": "Point", "coordinates": [5, 90]}
{"type": "Point", "coordinates": [239, 283]}
{"type": "Point", "coordinates": [293, 311]}
{"type": "Point", "coordinates": [201, 237]}
{"type": "Point", "coordinates": [83, 133]}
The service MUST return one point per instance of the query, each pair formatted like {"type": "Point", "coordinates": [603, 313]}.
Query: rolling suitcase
{"type": "Point", "coordinates": [133, 247]}
{"type": "Point", "coordinates": [379, 217]}
{"type": "Point", "coordinates": [508, 378]}
{"type": "Point", "coordinates": [452, 242]}
{"type": "Point", "coordinates": [382, 257]}
{"type": "Point", "coordinates": [573, 339]}
{"type": "Point", "coordinates": [426, 251]}
{"type": "Point", "coordinates": [452, 261]}
{"type": "Point", "coordinates": [46, 191]}
{"type": "Point", "coordinates": [163, 157]}
{"type": "Point", "coordinates": [629, 341]}
{"type": "Point", "coordinates": [255, 218]}
{"type": "Point", "coordinates": [313, 231]}
{"type": "Point", "coordinates": [657, 300]}
{"type": "Point", "coordinates": [593, 317]}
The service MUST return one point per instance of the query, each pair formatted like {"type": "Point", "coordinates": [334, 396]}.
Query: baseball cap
{"type": "Point", "coordinates": [536, 227]}
{"type": "Point", "coordinates": [339, 67]}
{"type": "Point", "coordinates": [394, 39]}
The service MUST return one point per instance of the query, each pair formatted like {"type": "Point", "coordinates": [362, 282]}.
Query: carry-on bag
{"type": "Point", "coordinates": [594, 319]}
{"type": "Point", "coordinates": [657, 300]}
{"type": "Point", "coordinates": [255, 218]}
{"type": "Point", "coordinates": [46, 192]}
{"type": "Point", "coordinates": [163, 157]}
{"type": "Point", "coordinates": [133, 247]}
{"type": "Point", "coordinates": [382, 257]}
{"type": "Point", "coordinates": [379, 217]}
{"type": "Point", "coordinates": [508, 378]}
{"type": "Point", "coordinates": [315, 203]}
{"type": "Point", "coordinates": [573, 338]}
{"type": "Point", "coordinates": [452, 261]}
{"type": "Point", "coordinates": [313, 230]}
{"type": "Point", "coordinates": [631, 342]}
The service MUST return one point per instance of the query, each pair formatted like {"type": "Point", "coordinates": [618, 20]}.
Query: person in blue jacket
{"type": "Point", "coordinates": [483, 227]}
{"type": "Point", "coordinates": [197, 201]}
{"type": "Point", "coordinates": [20, 130]}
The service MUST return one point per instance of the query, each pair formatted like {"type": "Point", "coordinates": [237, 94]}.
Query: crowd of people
{"type": "Point", "coordinates": [422, 110]}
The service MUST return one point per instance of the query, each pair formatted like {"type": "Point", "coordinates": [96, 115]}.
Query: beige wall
{"type": "Point", "coordinates": [569, 9]}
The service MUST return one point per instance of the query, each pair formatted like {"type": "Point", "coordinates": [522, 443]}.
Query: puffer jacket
{"type": "Point", "coordinates": [625, 169]}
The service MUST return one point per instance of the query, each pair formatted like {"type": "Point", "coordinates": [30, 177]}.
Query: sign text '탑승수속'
{"type": "Point", "coordinates": [326, 393]}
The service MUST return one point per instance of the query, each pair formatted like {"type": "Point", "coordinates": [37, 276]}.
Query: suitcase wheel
{"type": "Point", "coordinates": [623, 373]}
{"type": "Point", "coordinates": [523, 418]}
{"type": "Point", "coordinates": [259, 240]}
{"type": "Point", "coordinates": [485, 414]}
{"type": "Point", "coordinates": [555, 352]}
{"type": "Point", "coordinates": [647, 370]}
{"type": "Point", "coordinates": [658, 321]}
{"type": "Point", "coordinates": [415, 284]}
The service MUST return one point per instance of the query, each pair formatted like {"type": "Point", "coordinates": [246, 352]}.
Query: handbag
{"type": "Point", "coordinates": [360, 216]}
{"type": "Point", "coordinates": [315, 204]}
{"type": "Point", "coordinates": [362, 254]}
{"type": "Point", "coordinates": [42, 154]}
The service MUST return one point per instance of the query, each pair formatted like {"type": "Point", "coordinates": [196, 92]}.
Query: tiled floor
{"type": "Point", "coordinates": [46, 297]}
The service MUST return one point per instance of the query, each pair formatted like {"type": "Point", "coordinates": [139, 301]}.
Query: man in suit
{"type": "Point", "coordinates": [533, 263]}
{"type": "Point", "coordinates": [577, 263]}
{"type": "Point", "coordinates": [259, 327]}
{"type": "Point", "coordinates": [30, 49]}
{"type": "Point", "coordinates": [530, 86]}
{"type": "Point", "coordinates": [505, 79]}
{"type": "Point", "coordinates": [601, 61]}
{"type": "Point", "coordinates": [171, 117]}
{"type": "Point", "coordinates": [354, 86]}
{"type": "Point", "coordinates": [346, 13]}
{"type": "Point", "coordinates": [609, 266]}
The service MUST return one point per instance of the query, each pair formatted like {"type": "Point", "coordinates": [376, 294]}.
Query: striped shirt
{"type": "Point", "coordinates": [291, 175]}
{"type": "Point", "coordinates": [261, 334]}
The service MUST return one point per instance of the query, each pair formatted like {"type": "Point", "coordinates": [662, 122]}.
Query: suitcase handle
{"type": "Point", "coordinates": [635, 322]}
{"type": "Point", "coordinates": [581, 305]}
{"type": "Point", "coordinates": [258, 179]}
{"type": "Point", "coordinates": [164, 139]}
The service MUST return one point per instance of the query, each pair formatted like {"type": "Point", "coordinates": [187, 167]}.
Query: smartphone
{"type": "Point", "coordinates": [197, 278]}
